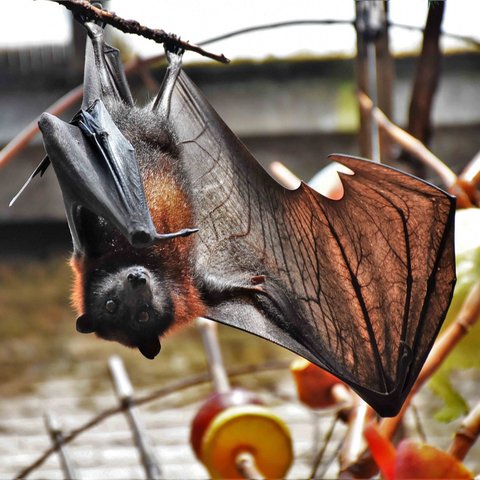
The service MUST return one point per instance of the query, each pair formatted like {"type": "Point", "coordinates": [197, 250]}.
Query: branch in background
{"type": "Point", "coordinates": [455, 36]}
{"type": "Point", "coordinates": [21, 140]}
{"type": "Point", "coordinates": [426, 82]}
{"type": "Point", "coordinates": [466, 435]}
{"type": "Point", "coordinates": [326, 440]}
{"type": "Point", "coordinates": [73, 97]}
{"type": "Point", "coordinates": [85, 9]}
{"type": "Point", "coordinates": [471, 176]}
{"type": "Point", "coordinates": [416, 148]}
{"type": "Point", "coordinates": [17, 144]}
{"type": "Point", "coordinates": [466, 319]}
{"type": "Point", "coordinates": [173, 387]}
{"type": "Point", "coordinates": [354, 444]}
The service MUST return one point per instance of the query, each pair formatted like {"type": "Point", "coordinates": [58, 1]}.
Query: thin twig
{"type": "Point", "coordinates": [326, 440]}
{"type": "Point", "coordinates": [354, 443]}
{"type": "Point", "coordinates": [466, 435]}
{"type": "Point", "coordinates": [173, 387]}
{"type": "Point", "coordinates": [427, 74]}
{"type": "Point", "coordinates": [408, 142]}
{"type": "Point", "coordinates": [86, 9]}
{"type": "Point", "coordinates": [471, 173]}
{"type": "Point", "coordinates": [455, 36]}
{"type": "Point", "coordinates": [418, 424]}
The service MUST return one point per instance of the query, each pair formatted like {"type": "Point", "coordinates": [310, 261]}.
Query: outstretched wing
{"type": "Point", "coordinates": [360, 286]}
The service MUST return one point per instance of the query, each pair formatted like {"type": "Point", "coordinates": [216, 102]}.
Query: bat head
{"type": "Point", "coordinates": [129, 306]}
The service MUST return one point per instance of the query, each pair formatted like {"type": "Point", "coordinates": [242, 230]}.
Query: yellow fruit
{"type": "Point", "coordinates": [252, 429]}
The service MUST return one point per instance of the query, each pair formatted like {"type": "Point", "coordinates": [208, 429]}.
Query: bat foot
{"type": "Point", "coordinates": [173, 50]}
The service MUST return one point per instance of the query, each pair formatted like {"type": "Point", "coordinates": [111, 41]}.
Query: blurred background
{"type": "Point", "coordinates": [289, 93]}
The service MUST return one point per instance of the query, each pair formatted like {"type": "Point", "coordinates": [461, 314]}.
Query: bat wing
{"type": "Point", "coordinates": [94, 162]}
{"type": "Point", "coordinates": [359, 286]}
{"type": "Point", "coordinates": [97, 170]}
{"type": "Point", "coordinates": [104, 78]}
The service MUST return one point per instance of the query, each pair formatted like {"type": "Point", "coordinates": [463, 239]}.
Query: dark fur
{"type": "Point", "coordinates": [169, 296]}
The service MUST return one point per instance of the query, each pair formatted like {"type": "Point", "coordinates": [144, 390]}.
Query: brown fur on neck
{"type": "Point", "coordinates": [171, 210]}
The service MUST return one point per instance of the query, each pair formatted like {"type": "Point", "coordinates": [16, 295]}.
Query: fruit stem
{"type": "Point", "coordinates": [247, 467]}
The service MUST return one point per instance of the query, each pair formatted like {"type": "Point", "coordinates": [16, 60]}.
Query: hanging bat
{"type": "Point", "coordinates": [359, 286]}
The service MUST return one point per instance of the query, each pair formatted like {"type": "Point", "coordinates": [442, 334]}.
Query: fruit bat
{"type": "Point", "coordinates": [172, 218]}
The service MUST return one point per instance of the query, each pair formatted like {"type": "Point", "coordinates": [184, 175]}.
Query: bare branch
{"type": "Point", "coordinates": [471, 173]}
{"type": "Point", "coordinates": [354, 443]}
{"type": "Point", "coordinates": [84, 8]}
{"type": "Point", "coordinates": [17, 144]}
{"type": "Point", "coordinates": [463, 38]}
{"type": "Point", "coordinates": [172, 387]}
{"type": "Point", "coordinates": [466, 435]}
{"type": "Point", "coordinates": [416, 148]}
{"type": "Point", "coordinates": [426, 81]}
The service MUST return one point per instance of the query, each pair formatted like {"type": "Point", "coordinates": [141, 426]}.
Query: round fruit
{"type": "Point", "coordinates": [215, 404]}
{"type": "Point", "coordinates": [314, 385]}
{"type": "Point", "coordinates": [252, 429]}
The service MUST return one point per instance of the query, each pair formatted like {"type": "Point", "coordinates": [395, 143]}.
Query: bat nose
{"type": "Point", "coordinates": [137, 278]}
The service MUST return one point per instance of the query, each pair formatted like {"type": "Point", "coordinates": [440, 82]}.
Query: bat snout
{"type": "Point", "coordinates": [137, 277]}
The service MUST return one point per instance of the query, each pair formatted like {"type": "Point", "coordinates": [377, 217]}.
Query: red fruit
{"type": "Point", "coordinates": [412, 459]}
{"type": "Point", "coordinates": [213, 406]}
{"type": "Point", "coordinates": [418, 460]}
{"type": "Point", "coordinates": [382, 450]}
{"type": "Point", "coordinates": [315, 386]}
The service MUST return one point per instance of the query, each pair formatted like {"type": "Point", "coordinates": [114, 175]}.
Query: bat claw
{"type": "Point", "coordinates": [173, 48]}
{"type": "Point", "coordinates": [185, 232]}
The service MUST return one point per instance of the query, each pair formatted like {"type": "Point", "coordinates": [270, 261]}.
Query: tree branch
{"type": "Point", "coordinates": [426, 82]}
{"type": "Point", "coordinates": [416, 148]}
{"type": "Point", "coordinates": [84, 8]}
{"type": "Point", "coordinates": [172, 387]}
{"type": "Point", "coordinates": [466, 435]}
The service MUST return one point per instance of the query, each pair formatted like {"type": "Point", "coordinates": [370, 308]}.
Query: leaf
{"type": "Point", "coordinates": [466, 354]}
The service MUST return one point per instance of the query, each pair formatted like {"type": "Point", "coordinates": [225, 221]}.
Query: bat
{"type": "Point", "coordinates": [359, 286]}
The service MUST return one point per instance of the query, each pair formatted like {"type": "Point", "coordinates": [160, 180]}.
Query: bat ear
{"type": "Point", "coordinates": [84, 324]}
{"type": "Point", "coordinates": [150, 348]}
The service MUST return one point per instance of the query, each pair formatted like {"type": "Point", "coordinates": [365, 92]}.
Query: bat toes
{"type": "Point", "coordinates": [173, 50]}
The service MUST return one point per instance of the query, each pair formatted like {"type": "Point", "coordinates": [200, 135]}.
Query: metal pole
{"type": "Point", "coordinates": [54, 429]}
{"type": "Point", "coordinates": [124, 392]}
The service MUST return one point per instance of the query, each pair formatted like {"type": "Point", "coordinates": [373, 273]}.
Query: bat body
{"type": "Point", "coordinates": [135, 295]}
{"type": "Point", "coordinates": [359, 286]}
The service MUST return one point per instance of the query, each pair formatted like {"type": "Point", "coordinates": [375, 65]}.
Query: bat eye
{"type": "Point", "coordinates": [143, 317]}
{"type": "Point", "coordinates": [111, 306]}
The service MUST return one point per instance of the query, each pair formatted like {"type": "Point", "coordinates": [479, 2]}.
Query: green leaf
{"type": "Point", "coordinates": [467, 353]}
